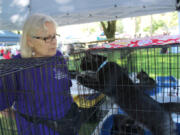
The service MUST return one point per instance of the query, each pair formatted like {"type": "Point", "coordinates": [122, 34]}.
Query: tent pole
{"type": "Point", "coordinates": [29, 6]}
{"type": "Point", "coordinates": [179, 21]}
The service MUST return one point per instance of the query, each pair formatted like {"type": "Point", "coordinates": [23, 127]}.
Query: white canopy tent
{"type": "Point", "coordinates": [14, 12]}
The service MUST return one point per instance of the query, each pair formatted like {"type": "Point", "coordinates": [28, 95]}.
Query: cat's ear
{"type": "Point", "coordinates": [101, 58]}
{"type": "Point", "coordinates": [105, 58]}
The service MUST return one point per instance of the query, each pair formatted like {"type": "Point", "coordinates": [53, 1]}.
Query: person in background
{"type": "Point", "coordinates": [1, 52]}
{"type": "Point", "coordinates": [43, 104]}
{"type": "Point", "coordinates": [7, 54]}
{"type": "Point", "coordinates": [13, 52]}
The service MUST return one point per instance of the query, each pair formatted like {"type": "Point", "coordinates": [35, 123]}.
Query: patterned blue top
{"type": "Point", "coordinates": [40, 91]}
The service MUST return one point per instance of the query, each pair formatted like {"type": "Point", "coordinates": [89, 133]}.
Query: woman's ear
{"type": "Point", "coordinates": [29, 42]}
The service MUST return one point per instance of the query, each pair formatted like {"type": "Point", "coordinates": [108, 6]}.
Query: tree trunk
{"type": "Point", "coordinates": [109, 29]}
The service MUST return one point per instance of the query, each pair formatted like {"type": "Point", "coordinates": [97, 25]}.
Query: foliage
{"type": "Point", "coordinates": [119, 26]}
{"type": "Point", "coordinates": [91, 28]}
{"type": "Point", "coordinates": [156, 24]}
{"type": "Point", "coordinates": [173, 21]}
{"type": "Point", "coordinates": [163, 22]}
{"type": "Point", "coordinates": [137, 24]}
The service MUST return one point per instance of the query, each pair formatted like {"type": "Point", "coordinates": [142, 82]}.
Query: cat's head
{"type": "Point", "coordinates": [142, 75]}
{"type": "Point", "coordinates": [92, 62]}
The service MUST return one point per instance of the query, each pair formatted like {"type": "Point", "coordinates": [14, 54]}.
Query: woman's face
{"type": "Point", "coordinates": [44, 43]}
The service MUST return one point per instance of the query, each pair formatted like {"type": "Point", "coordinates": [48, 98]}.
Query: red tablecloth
{"type": "Point", "coordinates": [156, 40]}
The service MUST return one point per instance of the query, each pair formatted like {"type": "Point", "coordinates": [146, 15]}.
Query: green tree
{"type": "Point", "coordinates": [109, 29]}
{"type": "Point", "coordinates": [170, 20]}
{"type": "Point", "coordinates": [137, 24]}
{"type": "Point", "coordinates": [119, 26]}
{"type": "Point", "coordinates": [156, 24]}
{"type": "Point", "coordinates": [91, 28]}
{"type": "Point", "coordinates": [174, 19]}
{"type": "Point", "coordinates": [164, 22]}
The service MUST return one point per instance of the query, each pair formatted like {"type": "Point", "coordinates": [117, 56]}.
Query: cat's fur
{"type": "Point", "coordinates": [146, 82]}
{"type": "Point", "coordinates": [114, 82]}
{"type": "Point", "coordinates": [123, 125]}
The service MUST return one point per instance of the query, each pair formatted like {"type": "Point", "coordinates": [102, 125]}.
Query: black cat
{"type": "Point", "coordinates": [146, 82]}
{"type": "Point", "coordinates": [113, 81]}
{"type": "Point", "coordinates": [123, 125]}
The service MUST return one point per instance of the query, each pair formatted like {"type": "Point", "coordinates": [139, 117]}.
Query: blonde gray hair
{"type": "Point", "coordinates": [32, 25]}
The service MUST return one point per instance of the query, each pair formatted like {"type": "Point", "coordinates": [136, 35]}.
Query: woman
{"type": "Point", "coordinates": [41, 95]}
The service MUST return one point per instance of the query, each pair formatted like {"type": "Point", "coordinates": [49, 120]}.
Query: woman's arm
{"type": "Point", "coordinates": [7, 91]}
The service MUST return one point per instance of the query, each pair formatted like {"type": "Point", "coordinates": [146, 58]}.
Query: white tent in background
{"type": "Point", "coordinates": [14, 12]}
{"type": "Point", "coordinates": [8, 36]}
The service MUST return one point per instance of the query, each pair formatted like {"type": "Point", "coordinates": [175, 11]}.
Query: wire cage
{"type": "Point", "coordinates": [141, 88]}
{"type": "Point", "coordinates": [125, 91]}
{"type": "Point", "coordinates": [36, 99]}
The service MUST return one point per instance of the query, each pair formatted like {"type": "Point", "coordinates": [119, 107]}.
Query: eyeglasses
{"type": "Point", "coordinates": [47, 39]}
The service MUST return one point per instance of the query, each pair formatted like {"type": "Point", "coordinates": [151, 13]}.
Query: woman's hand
{"type": "Point", "coordinates": [7, 113]}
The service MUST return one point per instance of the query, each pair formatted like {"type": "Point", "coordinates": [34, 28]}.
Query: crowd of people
{"type": "Point", "coordinates": [7, 53]}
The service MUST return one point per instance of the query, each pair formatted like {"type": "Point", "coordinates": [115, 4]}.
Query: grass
{"type": "Point", "coordinates": [150, 60]}
{"type": "Point", "coordinates": [7, 126]}
{"type": "Point", "coordinates": [156, 64]}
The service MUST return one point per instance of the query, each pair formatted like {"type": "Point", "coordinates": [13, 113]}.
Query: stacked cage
{"type": "Point", "coordinates": [125, 91]}
{"type": "Point", "coordinates": [36, 99]}
{"type": "Point", "coordinates": [141, 88]}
